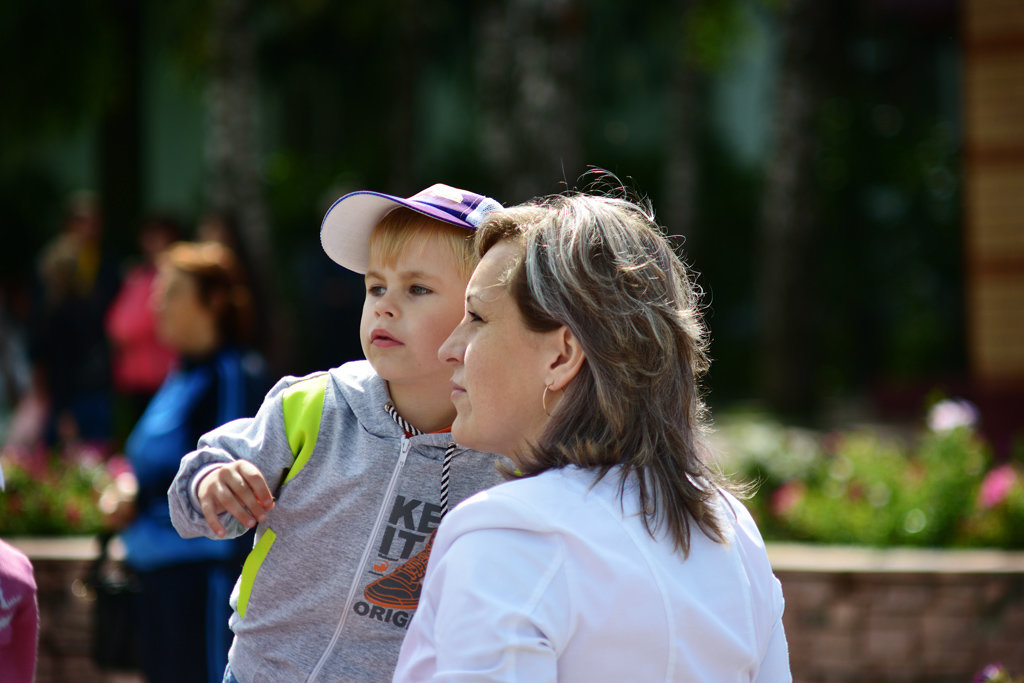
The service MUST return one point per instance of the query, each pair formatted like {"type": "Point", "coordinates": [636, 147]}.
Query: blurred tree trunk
{"type": "Point", "coordinates": [681, 166]}
{"type": "Point", "coordinates": [402, 96]}
{"type": "Point", "coordinates": [120, 134]}
{"type": "Point", "coordinates": [236, 184]}
{"type": "Point", "coordinates": [530, 74]}
{"type": "Point", "coordinates": [787, 302]}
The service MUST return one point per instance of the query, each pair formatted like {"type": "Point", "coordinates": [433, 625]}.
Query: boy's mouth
{"type": "Point", "coordinates": [382, 339]}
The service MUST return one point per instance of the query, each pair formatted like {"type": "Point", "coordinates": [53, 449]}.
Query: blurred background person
{"type": "Point", "coordinates": [140, 360]}
{"type": "Point", "coordinates": [224, 227]}
{"type": "Point", "coordinates": [204, 312]}
{"type": "Point", "coordinates": [15, 370]}
{"type": "Point", "coordinates": [77, 281]}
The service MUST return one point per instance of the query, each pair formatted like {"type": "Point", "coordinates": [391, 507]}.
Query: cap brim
{"type": "Point", "coordinates": [345, 231]}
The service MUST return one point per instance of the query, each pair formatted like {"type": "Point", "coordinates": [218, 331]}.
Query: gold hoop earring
{"type": "Point", "coordinates": [544, 400]}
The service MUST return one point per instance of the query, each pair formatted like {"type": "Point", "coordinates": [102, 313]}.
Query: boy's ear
{"type": "Point", "coordinates": [568, 360]}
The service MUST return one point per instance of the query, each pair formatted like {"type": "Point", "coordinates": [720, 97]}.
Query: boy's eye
{"type": "Point", "coordinates": [375, 290]}
{"type": "Point", "coordinates": [418, 290]}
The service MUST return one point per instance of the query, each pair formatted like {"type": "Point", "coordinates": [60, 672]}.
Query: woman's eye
{"type": "Point", "coordinates": [473, 317]}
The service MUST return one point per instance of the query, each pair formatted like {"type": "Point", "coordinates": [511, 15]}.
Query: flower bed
{"type": "Point", "coordinates": [55, 493]}
{"type": "Point", "coordinates": [936, 488]}
{"type": "Point", "coordinates": [852, 614]}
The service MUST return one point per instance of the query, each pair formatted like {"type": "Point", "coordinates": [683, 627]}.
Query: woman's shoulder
{"type": "Point", "coordinates": [536, 503]}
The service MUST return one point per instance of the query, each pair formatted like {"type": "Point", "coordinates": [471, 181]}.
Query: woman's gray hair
{"type": "Point", "coordinates": [602, 267]}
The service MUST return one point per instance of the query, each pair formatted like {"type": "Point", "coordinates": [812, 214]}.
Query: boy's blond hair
{"type": "Point", "coordinates": [400, 227]}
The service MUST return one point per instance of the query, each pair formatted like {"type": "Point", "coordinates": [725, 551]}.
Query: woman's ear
{"type": "Point", "coordinates": [569, 357]}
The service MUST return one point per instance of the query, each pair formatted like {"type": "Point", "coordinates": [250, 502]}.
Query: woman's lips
{"type": "Point", "coordinates": [457, 390]}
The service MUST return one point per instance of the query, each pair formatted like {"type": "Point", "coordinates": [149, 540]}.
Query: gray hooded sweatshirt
{"type": "Point", "coordinates": [336, 569]}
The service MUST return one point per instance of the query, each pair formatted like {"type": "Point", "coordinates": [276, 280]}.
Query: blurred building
{"type": "Point", "coordinates": [994, 205]}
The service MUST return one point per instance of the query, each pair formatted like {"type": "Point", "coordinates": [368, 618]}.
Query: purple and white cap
{"type": "Point", "coordinates": [345, 231]}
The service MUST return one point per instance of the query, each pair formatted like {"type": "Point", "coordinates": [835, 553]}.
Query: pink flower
{"type": "Point", "coordinates": [118, 465]}
{"type": "Point", "coordinates": [786, 497]}
{"type": "Point", "coordinates": [996, 486]}
{"type": "Point", "coordinates": [993, 673]}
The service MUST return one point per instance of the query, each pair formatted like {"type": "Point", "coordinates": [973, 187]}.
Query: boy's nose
{"type": "Point", "coordinates": [384, 307]}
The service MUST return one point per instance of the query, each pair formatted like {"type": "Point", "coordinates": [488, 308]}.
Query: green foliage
{"type": "Point", "coordinates": [59, 67]}
{"type": "Point", "coordinates": [862, 487]}
{"type": "Point", "coordinates": [368, 95]}
{"type": "Point", "coordinates": [51, 494]}
{"type": "Point", "coordinates": [711, 30]}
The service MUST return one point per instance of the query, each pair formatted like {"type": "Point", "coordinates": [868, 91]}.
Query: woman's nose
{"type": "Point", "coordinates": [452, 349]}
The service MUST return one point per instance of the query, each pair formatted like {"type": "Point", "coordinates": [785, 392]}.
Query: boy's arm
{"type": "Point", "coordinates": [260, 440]}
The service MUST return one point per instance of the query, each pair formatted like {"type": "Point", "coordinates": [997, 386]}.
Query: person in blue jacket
{"type": "Point", "coordinates": [204, 312]}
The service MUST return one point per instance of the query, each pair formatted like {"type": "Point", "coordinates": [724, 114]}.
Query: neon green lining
{"type": "Point", "coordinates": [303, 405]}
{"type": "Point", "coordinates": [252, 565]}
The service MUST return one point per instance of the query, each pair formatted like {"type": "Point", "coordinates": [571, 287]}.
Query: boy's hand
{"type": "Point", "coordinates": [238, 488]}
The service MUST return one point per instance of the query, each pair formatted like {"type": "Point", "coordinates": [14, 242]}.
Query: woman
{"type": "Point", "coordinates": [618, 555]}
{"type": "Point", "coordinates": [139, 360]}
{"type": "Point", "coordinates": [203, 312]}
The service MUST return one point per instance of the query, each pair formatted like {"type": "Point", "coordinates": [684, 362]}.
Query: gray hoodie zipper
{"type": "Point", "coordinates": [352, 591]}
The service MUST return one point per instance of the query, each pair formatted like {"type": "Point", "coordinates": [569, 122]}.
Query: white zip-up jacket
{"type": "Point", "coordinates": [547, 579]}
{"type": "Point", "coordinates": [334, 576]}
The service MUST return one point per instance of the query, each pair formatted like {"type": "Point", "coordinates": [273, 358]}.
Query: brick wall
{"type": "Point", "coordinates": [900, 616]}
{"type": "Point", "coordinates": [65, 611]}
{"type": "Point", "coordinates": [65, 633]}
{"type": "Point", "coordinates": [853, 615]}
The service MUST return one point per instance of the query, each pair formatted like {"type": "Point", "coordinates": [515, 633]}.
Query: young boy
{"type": "Point", "coordinates": [346, 473]}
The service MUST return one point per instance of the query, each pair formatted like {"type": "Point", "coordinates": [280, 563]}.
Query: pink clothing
{"type": "Point", "coordinates": [19, 616]}
{"type": "Point", "coordinates": [141, 362]}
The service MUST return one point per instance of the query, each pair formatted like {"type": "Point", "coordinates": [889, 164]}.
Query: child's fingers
{"type": "Point", "coordinates": [238, 502]}
{"type": "Point", "coordinates": [237, 488]}
{"type": "Point", "coordinates": [253, 478]}
{"type": "Point", "coordinates": [241, 481]}
{"type": "Point", "coordinates": [211, 516]}
{"type": "Point", "coordinates": [206, 493]}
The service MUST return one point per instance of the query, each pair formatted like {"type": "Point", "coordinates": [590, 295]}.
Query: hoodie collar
{"type": "Point", "coordinates": [367, 394]}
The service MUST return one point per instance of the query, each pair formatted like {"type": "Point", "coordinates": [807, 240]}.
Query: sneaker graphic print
{"type": "Point", "coordinates": [401, 588]}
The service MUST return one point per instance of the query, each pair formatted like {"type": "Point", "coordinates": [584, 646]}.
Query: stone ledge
{"type": "Point", "coordinates": [791, 557]}
{"type": "Point", "coordinates": [805, 557]}
{"type": "Point", "coordinates": [64, 547]}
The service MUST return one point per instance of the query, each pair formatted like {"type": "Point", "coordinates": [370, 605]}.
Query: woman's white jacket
{"type": "Point", "coordinates": [555, 578]}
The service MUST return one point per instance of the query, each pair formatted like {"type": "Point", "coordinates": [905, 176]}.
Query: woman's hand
{"type": "Point", "coordinates": [238, 488]}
